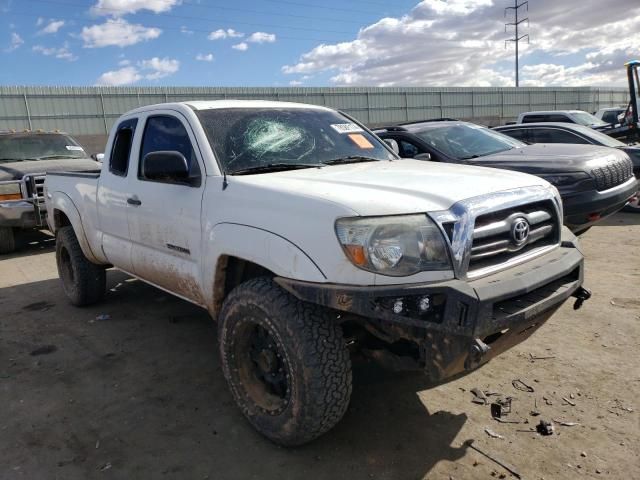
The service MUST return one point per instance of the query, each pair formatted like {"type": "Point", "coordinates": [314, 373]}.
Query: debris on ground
{"type": "Point", "coordinates": [544, 428]}
{"type": "Point", "coordinates": [44, 350]}
{"type": "Point", "coordinates": [103, 317]}
{"type": "Point", "coordinates": [520, 385]}
{"type": "Point", "coordinates": [106, 466]}
{"type": "Point", "coordinates": [583, 454]}
{"type": "Point", "coordinates": [478, 396]}
{"type": "Point", "coordinates": [511, 470]}
{"type": "Point", "coordinates": [565, 424]}
{"type": "Point", "coordinates": [501, 407]}
{"type": "Point", "coordinates": [492, 434]}
{"type": "Point", "coordinates": [533, 358]}
{"type": "Point", "coordinates": [573, 404]}
{"type": "Point", "coordinates": [547, 401]}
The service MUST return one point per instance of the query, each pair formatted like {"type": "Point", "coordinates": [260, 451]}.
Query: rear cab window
{"type": "Point", "coordinates": [121, 149]}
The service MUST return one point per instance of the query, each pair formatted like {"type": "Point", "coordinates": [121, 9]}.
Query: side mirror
{"type": "Point", "coordinates": [98, 157]}
{"type": "Point", "coordinates": [393, 145]}
{"type": "Point", "coordinates": [423, 156]}
{"type": "Point", "coordinates": [166, 166]}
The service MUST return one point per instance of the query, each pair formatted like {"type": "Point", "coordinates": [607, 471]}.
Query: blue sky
{"type": "Point", "coordinates": [311, 42]}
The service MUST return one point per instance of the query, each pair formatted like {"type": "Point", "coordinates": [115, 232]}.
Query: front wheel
{"type": "Point", "coordinates": [285, 361]}
{"type": "Point", "coordinates": [83, 282]}
{"type": "Point", "coordinates": [7, 240]}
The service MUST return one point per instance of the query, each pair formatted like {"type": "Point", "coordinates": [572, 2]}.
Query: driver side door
{"type": "Point", "coordinates": [165, 219]}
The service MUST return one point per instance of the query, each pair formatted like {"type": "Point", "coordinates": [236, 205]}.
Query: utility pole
{"type": "Point", "coordinates": [516, 39]}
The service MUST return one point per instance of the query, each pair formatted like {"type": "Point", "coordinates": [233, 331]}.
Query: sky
{"type": "Point", "coordinates": [315, 42]}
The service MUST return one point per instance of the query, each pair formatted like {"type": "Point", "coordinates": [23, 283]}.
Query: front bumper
{"type": "Point", "coordinates": [469, 322]}
{"type": "Point", "coordinates": [584, 209]}
{"type": "Point", "coordinates": [20, 214]}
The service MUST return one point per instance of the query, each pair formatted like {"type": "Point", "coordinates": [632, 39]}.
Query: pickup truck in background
{"type": "Point", "coordinates": [567, 116]}
{"type": "Point", "coordinates": [304, 236]}
{"type": "Point", "coordinates": [25, 158]}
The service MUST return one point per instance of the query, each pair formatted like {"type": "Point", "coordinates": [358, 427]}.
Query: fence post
{"type": "Point", "coordinates": [104, 114]}
{"type": "Point", "coordinates": [26, 104]}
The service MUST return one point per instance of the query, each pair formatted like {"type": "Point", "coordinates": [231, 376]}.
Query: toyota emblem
{"type": "Point", "coordinates": [520, 231]}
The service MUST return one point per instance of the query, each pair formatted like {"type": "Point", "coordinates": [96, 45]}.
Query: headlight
{"type": "Point", "coordinates": [10, 191]}
{"type": "Point", "coordinates": [396, 246]}
{"type": "Point", "coordinates": [565, 179]}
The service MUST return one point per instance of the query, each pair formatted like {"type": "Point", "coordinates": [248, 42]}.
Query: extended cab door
{"type": "Point", "coordinates": [165, 220]}
{"type": "Point", "coordinates": [114, 194]}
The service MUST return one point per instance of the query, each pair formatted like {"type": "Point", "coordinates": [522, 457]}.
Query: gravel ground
{"type": "Point", "coordinates": [140, 394]}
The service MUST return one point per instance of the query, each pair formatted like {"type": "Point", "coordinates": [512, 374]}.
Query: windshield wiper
{"type": "Point", "coordinates": [350, 159]}
{"type": "Point", "coordinates": [274, 167]}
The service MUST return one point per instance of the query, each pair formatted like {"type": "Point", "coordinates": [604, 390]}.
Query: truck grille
{"type": "Point", "coordinates": [505, 234]}
{"type": "Point", "coordinates": [613, 174]}
{"type": "Point", "coordinates": [35, 188]}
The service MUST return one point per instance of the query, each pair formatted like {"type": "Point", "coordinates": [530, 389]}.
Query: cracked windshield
{"type": "Point", "coordinates": [252, 139]}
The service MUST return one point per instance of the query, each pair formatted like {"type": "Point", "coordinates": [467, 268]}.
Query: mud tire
{"type": "Point", "coordinates": [83, 282]}
{"type": "Point", "coordinates": [312, 352]}
{"type": "Point", "coordinates": [7, 240]}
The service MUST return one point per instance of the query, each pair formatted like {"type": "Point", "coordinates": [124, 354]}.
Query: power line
{"type": "Point", "coordinates": [516, 39]}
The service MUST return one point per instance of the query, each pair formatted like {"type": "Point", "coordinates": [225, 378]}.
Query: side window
{"type": "Point", "coordinates": [552, 135]}
{"type": "Point", "coordinates": [533, 118]}
{"type": "Point", "coordinates": [518, 134]}
{"type": "Point", "coordinates": [166, 133]}
{"type": "Point", "coordinates": [408, 149]}
{"type": "Point", "coordinates": [121, 149]}
{"type": "Point", "coordinates": [559, 118]}
{"type": "Point", "coordinates": [610, 117]}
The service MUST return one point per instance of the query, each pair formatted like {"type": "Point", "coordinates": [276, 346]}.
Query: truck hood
{"type": "Point", "coordinates": [17, 170]}
{"type": "Point", "coordinates": [391, 187]}
{"type": "Point", "coordinates": [547, 158]}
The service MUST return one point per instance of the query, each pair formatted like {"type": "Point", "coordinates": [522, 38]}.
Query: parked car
{"type": "Point", "coordinates": [594, 181]}
{"type": "Point", "coordinates": [25, 158]}
{"type": "Point", "coordinates": [610, 115]}
{"type": "Point", "coordinates": [301, 232]}
{"type": "Point", "coordinates": [576, 134]}
{"type": "Point", "coordinates": [569, 116]}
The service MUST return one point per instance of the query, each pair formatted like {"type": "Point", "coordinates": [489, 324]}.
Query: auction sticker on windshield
{"type": "Point", "coordinates": [361, 141]}
{"type": "Point", "coordinates": [346, 127]}
{"type": "Point", "coordinates": [75, 148]}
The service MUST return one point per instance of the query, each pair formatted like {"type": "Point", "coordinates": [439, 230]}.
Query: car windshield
{"type": "Point", "coordinates": [246, 139]}
{"type": "Point", "coordinates": [464, 141]}
{"type": "Point", "coordinates": [38, 146]}
{"type": "Point", "coordinates": [601, 138]}
{"type": "Point", "coordinates": [584, 118]}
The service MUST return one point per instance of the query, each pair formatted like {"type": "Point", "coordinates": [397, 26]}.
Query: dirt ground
{"type": "Point", "coordinates": [141, 394]}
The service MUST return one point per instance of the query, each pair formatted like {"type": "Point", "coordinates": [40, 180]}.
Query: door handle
{"type": "Point", "coordinates": [134, 201]}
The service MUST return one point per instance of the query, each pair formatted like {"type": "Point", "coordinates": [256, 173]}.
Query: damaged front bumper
{"type": "Point", "coordinates": [456, 325]}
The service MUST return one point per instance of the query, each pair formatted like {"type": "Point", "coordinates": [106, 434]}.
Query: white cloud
{"type": "Point", "coordinates": [201, 57]}
{"type": "Point", "coordinates": [117, 32]}
{"type": "Point", "coordinates": [119, 8]}
{"type": "Point", "coordinates": [151, 69]}
{"type": "Point", "coordinates": [123, 76]}
{"type": "Point", "coordinates": [159, 67]}
{"type": "Point", "coordinates": [261, 37]}
{"type": "Point", "coordinates": [124, 63]}
{"type": "Point", "coordinates": [242, 46]}
{"type": "Point", "coordinates": [52, 27]}
{"type": "Point", "coordinates": [295, 83]}
{"type": "Point", "coordinates": [15, 43]}
{"type": "Point", "coordinates": [461, 42]}
{"type": "Point", "coordinates": [62, 53]}
{"type": "Point", "coordinates": [222, 34]}
{"type": "Point", "coordinates": [185, 30]}
{"type": "Point", "coordinates": [40, 21]}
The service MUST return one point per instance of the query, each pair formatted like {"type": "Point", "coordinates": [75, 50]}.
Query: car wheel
{"type": "Point", "coordinates": [83, 282]}
{"type": "Point", "coordinates": [7, 240]}
{"type": "Point", "coordinates": [285, 361]}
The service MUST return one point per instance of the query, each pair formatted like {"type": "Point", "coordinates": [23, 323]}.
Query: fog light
{"type": "Point", "coordinates": [398, 306]}
{"type": "Point", "coordinates": [424, 304]}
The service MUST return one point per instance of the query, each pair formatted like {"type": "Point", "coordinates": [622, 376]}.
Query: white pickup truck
{"type": "Point", "coordinates": [305, 236]}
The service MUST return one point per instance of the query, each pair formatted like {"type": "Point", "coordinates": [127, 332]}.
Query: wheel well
{"type": "Point", "coordinates": [60, 219]}
{"type": "Point", "coordinates": [231, 272]}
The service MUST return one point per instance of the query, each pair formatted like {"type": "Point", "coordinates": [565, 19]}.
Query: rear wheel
{"type": "Point", "coordinates": [7, 240]}
{"type": "Point", "coordinates": [286, 362]}
{"type": "Point", "coordinates": [83, 282]}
